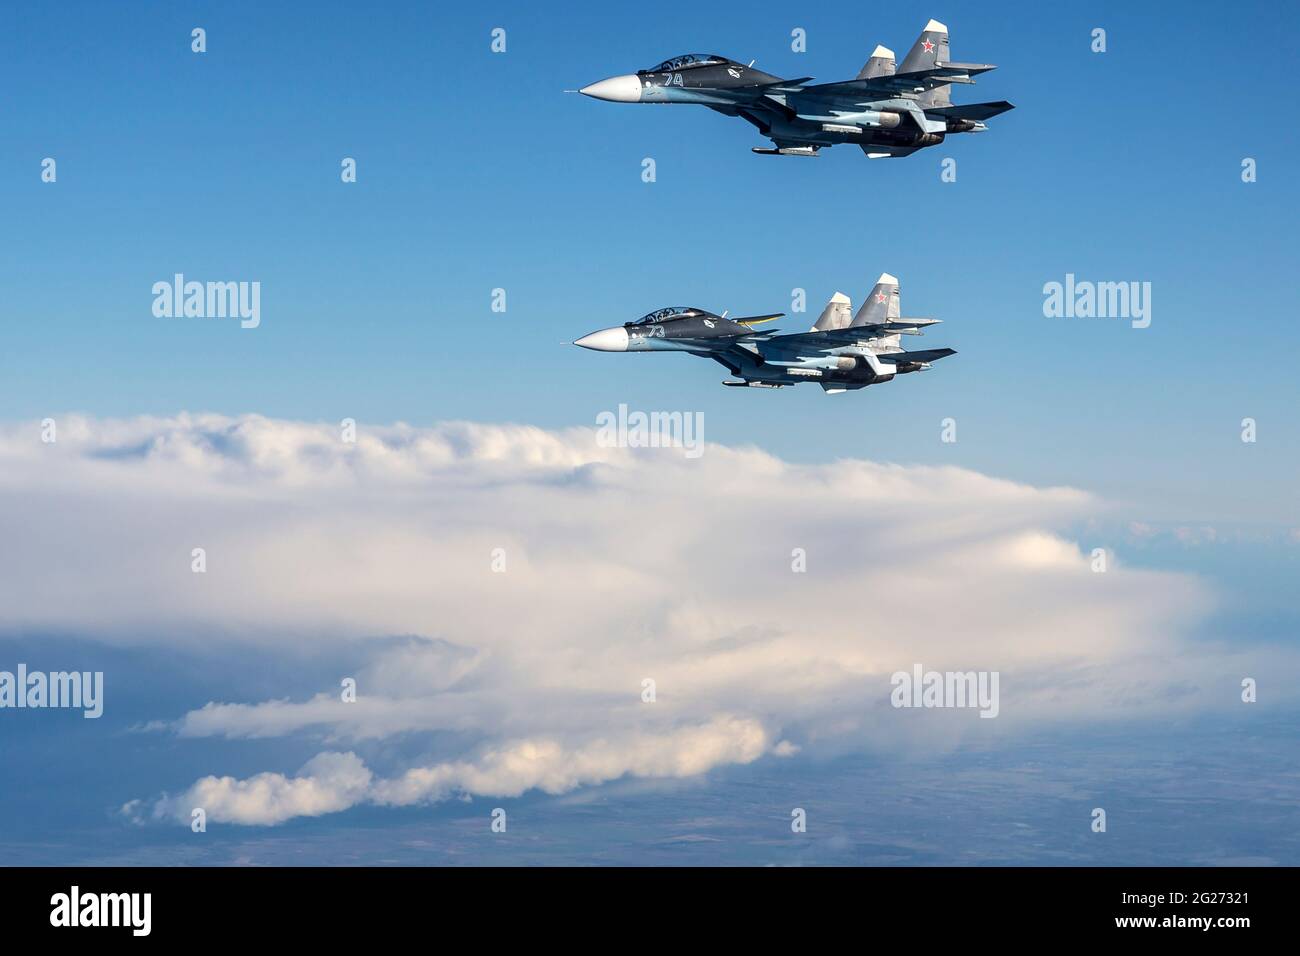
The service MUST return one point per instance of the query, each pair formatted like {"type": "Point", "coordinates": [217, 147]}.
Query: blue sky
{"type": "Point", "coordinates": [477, 171]}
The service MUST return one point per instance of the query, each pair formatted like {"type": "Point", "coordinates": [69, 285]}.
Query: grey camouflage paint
{"type": "Point", "coordinates": [886, 111]}
{"type": "Point", "coordinates": [838, 353]}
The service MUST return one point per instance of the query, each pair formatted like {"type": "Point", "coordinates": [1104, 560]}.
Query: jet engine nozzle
{"type": "Point", "coordinates": [926, 139]}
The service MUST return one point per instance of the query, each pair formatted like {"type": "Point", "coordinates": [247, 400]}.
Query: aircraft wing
{"type": "Point", "coordinates": [742, 344]}
{"type": "Point", "coordinates": [762, 89]}
{"type": "Point", "coordinates": [759, 95]}
{"type": "Point", "coordinates": [786, 86]}
{"type": "Point", "coordinates": [731, 352]}
{"type": "Point", "coordinates": [736, 352]}
{"type": "Point", "coordinates": [838, 338]}
{"type": "Point", "coordinates": [888, 86]}
{"type": "Point", "coordinates": [757, 103]}
{"type": "Point", "coordinates": [834, 338]}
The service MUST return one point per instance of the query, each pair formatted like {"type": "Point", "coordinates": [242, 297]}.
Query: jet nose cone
{"type": "Point", "coordinates": [606, 340]}
{"type": "Point", "coordinates": [617, 89]}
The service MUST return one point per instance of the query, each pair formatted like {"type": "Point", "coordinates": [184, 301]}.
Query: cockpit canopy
{"type": "Point", "coordinates": [672, 312]}
{"type": "Point", "coordinates": [687, 61]}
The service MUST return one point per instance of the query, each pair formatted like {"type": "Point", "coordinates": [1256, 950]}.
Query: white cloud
{"type": "Point", "coordinates": [621, 565]}
{"type": "Point", "coordinates": [327, 783]}
{"type": "Point", "coordinates": [555, 767]}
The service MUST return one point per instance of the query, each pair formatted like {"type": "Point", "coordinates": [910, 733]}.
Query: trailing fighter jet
{"type": "Point", "coordinates": [887, 112]}
{"type": "Point", "coordinates": [841, 351]}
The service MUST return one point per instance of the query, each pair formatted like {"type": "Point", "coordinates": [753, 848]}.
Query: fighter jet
{"type": "Point", "coordinates": [887, 112]}
{"type": "Point", "coordinates": [842, 351]}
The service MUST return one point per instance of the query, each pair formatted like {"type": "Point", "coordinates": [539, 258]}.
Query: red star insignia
{"type": "Point", "coordinates": [927, 46]}
{"type": "Point", "coordinates": [880, 297]}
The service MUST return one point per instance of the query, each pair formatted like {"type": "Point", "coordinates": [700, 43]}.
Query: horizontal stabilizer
{"type": "Point", "coordinates": [921, 355]}
{"type": "Point", "coordinates": [906, 326]}
{"type": "Point", "coordinates": [971, 69]}
{"type": "Point", "coordinates": [971, 111]}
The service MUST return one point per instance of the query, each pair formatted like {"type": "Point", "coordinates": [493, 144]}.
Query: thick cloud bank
{"type": "Point", "coordinates": [521, 589]}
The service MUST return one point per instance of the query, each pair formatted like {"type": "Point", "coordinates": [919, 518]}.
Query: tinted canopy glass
{"type": "Point", "coordinates": [687, 60]}
{"type": "Point", "coordinates": [671, 312]}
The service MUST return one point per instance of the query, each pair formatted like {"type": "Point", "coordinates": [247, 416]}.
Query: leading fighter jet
{"type": "Point", "coordinates": [841, 351]}
{"type": "Point", "coordinates": [887, 112]}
